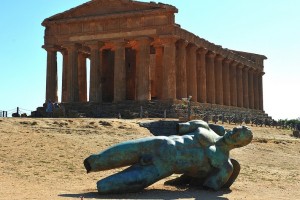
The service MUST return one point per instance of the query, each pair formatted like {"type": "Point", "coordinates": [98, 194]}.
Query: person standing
{"type": "Point", "coordinates": [49, 109]}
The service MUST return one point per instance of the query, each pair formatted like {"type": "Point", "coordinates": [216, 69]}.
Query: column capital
{"type": "Point", "coordinates": [117, 44]}
{"type": "Point", "coordinates": [256, 71]}
{"type": "Point", "coordinates": [71, 46]}
{"type": "Point", "coordinates": [246, 68]}
{"type": "Point", "coordinates": [63, 51]}
{"type": "Point", "coordinates": [83, 50]}
{"type": "Point", "coordinates": [141, 41]}
{"type": "Point", "coordinates": [219, 57]}
{"type": "Point", "coordinates": [240, 66]}
{"type": "Point", "coordinates": [83, 53]}
{"type": "Point", "coordinates": [166, 40]}
{"type": "Point", "coordinates": [233, 63]}
{"type": "Point", "coordinates": [51, 47]}
{"type": "Point", "coordinates": [227, 60]}
{"type": "Point", "coordinates": [94, 44]}
{"type": "Point", "coordinates": [192, 46]}
{"type": "Point", "coordinates": [202, 50]}
{"type": "Point", "coordinates": [211, 54]}
{"type": "Point", "coordinates": [182, 43]}
{"type": "Point", "coordinates": [251, 69]}
{"type": "Point", "coordinates": [157, 44]}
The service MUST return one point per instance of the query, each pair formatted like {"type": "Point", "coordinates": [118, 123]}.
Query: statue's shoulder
{"type": "Point", "coordinates": [200, 124]}
{"type": "Point", "coordinates": [220, 130]}
{"type": "Point", "coordinates": [206, 137]}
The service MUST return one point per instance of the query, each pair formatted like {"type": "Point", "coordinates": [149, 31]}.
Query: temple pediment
{"type": "Point", "coordinates": [98, 8]}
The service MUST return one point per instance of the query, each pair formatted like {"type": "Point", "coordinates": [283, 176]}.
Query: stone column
{"type": "Point", "coordinates": [153, 73]}
{"type": "Point", "coordinates": [82, 82]}
{"type": "Point", "coordinates": [72, 86]}
{"type": "Point", "coordinates": [181, 77]}
{"type": "Point", "coordinates": [51, 77]}
{"type": "Point", "coordinates": [64, 91]}
{"type": "Point", "coordinates": [95, 72]}
{"type": "Point", "coordinates": [201, 75]}
{"type": "Point", "coordinates": [159, 69]}
{"type": "Point", "coordinates": [245, 87]}
{"type": "Point", "coordinates": [143, 90]}
{"type": "Point", "coordinates": [256, 90]}
{"type": "Point", "coordinates": [226, 82]}
{"type": "Point", "coordinates": [191, 67]}
{"type": "Point", "coordinates": [251, 90]}
{"type": "Point", "coordinates": [119, 72]}
{"type": "Point", "coordinates": [233, 82]}
{"type": "Point", "coordinates": [169, 68]}
{"type": "Point", "coordinates": [219, 79]}
{"type": "Point", "coordinates": [260, 89]}
{"type": "Point", "coordinates": [239, 80]}
{"type": "Point", "coordinates": [210, 81]}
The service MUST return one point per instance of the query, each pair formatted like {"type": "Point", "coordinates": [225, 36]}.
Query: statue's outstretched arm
{"type": "Point", "coordinates": [220, 130]}
{"type": "Point", "coordinates": [190, 126]}
{"type": "Point", "coordinates": [220, 177]}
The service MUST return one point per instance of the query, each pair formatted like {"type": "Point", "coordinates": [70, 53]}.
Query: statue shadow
{"type": "Point", "coordinates": [192, 193]}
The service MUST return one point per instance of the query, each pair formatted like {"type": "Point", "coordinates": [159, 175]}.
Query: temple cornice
{"type": "Point", "coordinates": [106, 17]}
{"type": "Point", "coordinates": [227, 53]}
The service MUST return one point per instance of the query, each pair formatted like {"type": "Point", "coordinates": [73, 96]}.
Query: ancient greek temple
{"type": "Point", "coordinates": [138, 52]}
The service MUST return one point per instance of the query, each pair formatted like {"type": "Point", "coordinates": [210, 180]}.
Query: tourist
{"type": "Point", "coordinates": [56, 105]}
{"type": "Point", "coordinates": [49, 109]}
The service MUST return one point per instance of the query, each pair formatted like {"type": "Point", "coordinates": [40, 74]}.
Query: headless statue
{"type": "Point", "coordinates": [200, 152]}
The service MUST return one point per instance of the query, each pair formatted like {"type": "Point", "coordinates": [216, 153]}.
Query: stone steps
{"type": "Point", "coordinates": [150, 109]}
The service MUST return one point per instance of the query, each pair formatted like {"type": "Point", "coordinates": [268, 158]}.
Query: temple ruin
{"type": "Point", "coordinates": [137, 52]}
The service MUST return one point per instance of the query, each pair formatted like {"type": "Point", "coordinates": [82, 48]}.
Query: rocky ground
{"type": "Point", "coordinates": [42, 159]}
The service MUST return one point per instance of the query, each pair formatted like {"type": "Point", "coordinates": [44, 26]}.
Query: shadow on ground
{"type": "Point", "coordinates": [156, 194]}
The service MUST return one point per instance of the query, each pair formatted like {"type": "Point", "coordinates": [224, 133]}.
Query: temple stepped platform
{"type": "Point", "coordinates": [155, 109]}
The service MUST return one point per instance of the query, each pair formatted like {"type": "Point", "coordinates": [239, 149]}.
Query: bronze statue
{"type": "Point", "coordinates": [199, 152]}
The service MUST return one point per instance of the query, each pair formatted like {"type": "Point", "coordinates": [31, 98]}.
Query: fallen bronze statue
{"type": "Point", "coordinates": [200, 152]}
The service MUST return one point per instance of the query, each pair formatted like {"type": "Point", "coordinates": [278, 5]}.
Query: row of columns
{"type": "Point", "coordinates": [74, 85]}
{"type": "Point", "coordinates": [212, 78]}
{"type": "Point", "coordinates": [182, 69]}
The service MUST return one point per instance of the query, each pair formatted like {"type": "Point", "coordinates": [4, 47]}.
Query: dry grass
{"type": "Point", "coordinates": [42, 159]}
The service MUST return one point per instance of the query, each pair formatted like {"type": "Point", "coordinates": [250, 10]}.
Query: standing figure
{"type": "Point", "coordinates": [198, 152]}
{"type": "Point", "coordinates": [49, 108]}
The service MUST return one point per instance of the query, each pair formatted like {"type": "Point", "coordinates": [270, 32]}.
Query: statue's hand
{"type": "Point", "coordinates": [211, 184]}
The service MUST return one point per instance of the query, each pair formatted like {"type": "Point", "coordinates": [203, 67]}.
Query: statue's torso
{"type": "Point", "coordinates": [197, 153]}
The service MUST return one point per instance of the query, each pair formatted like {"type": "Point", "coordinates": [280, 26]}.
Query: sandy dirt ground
{"type": "Point", "coordinates": [42, 159]}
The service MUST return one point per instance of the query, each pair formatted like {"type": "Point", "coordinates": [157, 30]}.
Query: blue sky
{"type": "Point", "coordinates": [268, 27]}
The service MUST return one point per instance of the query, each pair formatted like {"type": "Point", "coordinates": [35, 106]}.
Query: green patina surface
{"type": "Point", "coordinates": [200, 152]}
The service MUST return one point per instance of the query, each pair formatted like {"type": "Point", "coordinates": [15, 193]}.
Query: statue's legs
{"type": "Point", "coordinates": [130, 153]}
{"type": "Point", "coordinates": [132, 179]}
